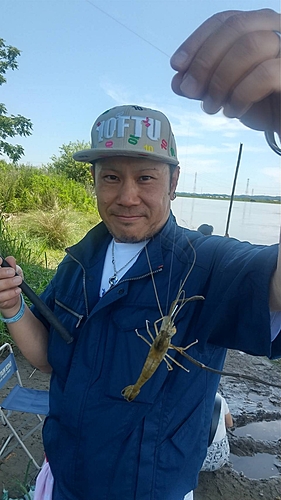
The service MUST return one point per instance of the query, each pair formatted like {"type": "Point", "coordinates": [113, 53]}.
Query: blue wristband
{"type": "Point", "coordinates": [18, 316]}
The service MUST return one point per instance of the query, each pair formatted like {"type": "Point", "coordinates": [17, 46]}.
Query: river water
{"type": "Point", "coordinates": [251, 221]}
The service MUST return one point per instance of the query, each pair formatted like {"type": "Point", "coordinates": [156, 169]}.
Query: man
{"type": "Point", "coordinates": [123, 276]}
{"type": "Point", "coordinates": [206, 229]}
{"type": "Point", "coordinates": [218, 450]}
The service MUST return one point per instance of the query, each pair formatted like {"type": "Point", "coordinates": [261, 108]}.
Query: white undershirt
{"type": "Point", "coordinates": [124, 253]}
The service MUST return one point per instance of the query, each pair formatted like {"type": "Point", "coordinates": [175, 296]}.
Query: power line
{"type": "Point", "coordinates": [127, 28]}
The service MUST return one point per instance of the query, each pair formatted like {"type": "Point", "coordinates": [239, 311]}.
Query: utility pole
{"type": "Point", "coordinates": [247, 187]}
{"type": "Point", "coordinates": [195, 180]}
{"type": "Point", "coordinates": [233, 190]}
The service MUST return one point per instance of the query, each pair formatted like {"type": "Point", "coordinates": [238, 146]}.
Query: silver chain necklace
{"type": "Point", "coordinates": [113, 280]}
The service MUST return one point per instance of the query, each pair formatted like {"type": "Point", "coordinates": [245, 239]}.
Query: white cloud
{"type": "Point", "coordinates": [192, 123]}
{"type": "Point", "coordinates": [117, 92]}
{"type": "Point", "coordinates": [185, 122]}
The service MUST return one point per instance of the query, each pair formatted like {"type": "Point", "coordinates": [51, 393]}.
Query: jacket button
{"type": "Point", "coordinates": [121, 291]}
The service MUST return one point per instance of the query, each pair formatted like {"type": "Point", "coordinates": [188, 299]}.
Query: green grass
{"type": "Point", "coordinates": [27, 237]}
{"type": "Point", "coordinates": [68, 227]}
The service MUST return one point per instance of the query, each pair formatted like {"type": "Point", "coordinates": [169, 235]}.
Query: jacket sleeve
{"type": "Point", "coordinates": [236, 312]}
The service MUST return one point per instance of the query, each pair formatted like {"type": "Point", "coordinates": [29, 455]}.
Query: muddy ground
{"type": "Point", "coordinates": [248, 402]}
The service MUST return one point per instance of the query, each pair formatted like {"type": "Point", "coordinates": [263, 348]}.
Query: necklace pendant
{"type": "Point", "coordinates": [113, 280]}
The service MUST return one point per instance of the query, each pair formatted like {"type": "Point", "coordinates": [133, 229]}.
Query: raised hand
{"type": "Point", "coordinates": [232, 61]}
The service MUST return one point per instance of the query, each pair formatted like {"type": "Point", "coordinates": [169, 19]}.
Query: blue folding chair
{"type": "Point", "coordinates": [21, 399]}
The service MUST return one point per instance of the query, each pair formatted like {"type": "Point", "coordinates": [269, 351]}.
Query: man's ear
{"type": "Point", "coordinates": [93, 170]}
{"type": "Point", "coordinates": [174, 182]}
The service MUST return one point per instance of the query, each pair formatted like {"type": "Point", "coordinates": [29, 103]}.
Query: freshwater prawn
{"type": "Point", "coordinates": [161, 342]}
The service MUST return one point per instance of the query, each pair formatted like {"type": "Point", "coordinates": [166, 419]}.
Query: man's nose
{"type": "Point", "coordinates": [128, 194]}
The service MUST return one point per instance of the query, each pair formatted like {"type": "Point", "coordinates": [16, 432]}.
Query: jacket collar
{"type": "Point", "coordinates": [92, 247]}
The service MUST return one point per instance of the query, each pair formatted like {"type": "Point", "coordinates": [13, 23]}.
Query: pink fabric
{"type": "Point", "coordinates": [44, 484]}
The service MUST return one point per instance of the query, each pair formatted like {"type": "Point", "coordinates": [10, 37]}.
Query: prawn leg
{"type": "Point", "coordinates": [180, 349]}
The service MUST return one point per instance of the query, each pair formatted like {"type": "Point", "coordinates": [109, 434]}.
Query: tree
{"type": "Point", "coordinates": [12, 125]}
{"type": "Point", "coordinates": [65, 164]}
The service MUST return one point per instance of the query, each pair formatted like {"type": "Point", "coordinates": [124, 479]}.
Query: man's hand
{"type": "Point", "coordinates": [9, 287]}
{"type": "Point", "coordinates": [232, 61]}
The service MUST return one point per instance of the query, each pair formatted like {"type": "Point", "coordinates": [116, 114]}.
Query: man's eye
{"type": "Point", "coordinates": [145, 178]}
{"type": "Point", "coordinates": [111, 177]}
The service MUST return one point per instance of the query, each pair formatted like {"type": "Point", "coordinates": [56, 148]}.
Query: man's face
{"type": "Point", "coordinates": [133, 196]}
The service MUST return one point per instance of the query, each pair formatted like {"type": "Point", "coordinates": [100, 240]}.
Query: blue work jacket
{"type": "Point", "coordinates": [101, 446]}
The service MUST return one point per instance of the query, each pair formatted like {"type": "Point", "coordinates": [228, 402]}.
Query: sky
{"type": "Point", "coordinates": [81, 57]}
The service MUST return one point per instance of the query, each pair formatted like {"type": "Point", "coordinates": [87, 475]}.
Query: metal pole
{"type": "Point", "coordinates": [233, 190]}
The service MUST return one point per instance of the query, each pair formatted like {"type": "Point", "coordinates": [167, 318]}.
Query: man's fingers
{"type": "Point", "coordinates": [248, 91]}
{"type": "Point", "coordinates": [183, 56]}
{"type": "Point", "coordinates": [176, 83]}
{"type": "Point", "coordinates": [204, 57]}
{"type": "Point", "coordinates": [19, 271]}
{"type": "Point", "coordinates": [9, 283]}
{"type": "Point", "coordinates": [247, 54]}
{"type": "Point", "coordinates": [11, 260]}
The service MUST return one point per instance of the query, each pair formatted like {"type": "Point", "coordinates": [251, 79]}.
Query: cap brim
{"type": "Point", "coordinates": [90, 155]}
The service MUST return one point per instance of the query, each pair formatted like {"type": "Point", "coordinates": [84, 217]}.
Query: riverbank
{"type": "Point", "coordinates": [248, 402]}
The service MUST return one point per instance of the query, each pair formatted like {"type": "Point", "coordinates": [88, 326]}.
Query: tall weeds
{"type": "Point", "coordinates": [52, 227]}
{"type": "Point", "coordinates": [24, 188]}
{"type": "Point", "coordinates": [11, 244]}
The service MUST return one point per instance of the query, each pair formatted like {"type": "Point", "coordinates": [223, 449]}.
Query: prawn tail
{"type": "Point", "coordinates": [130, 392]}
